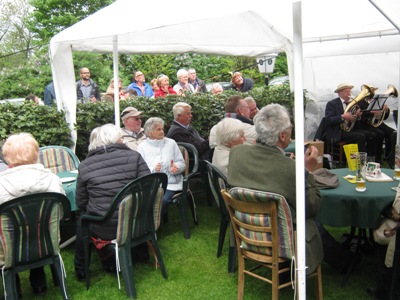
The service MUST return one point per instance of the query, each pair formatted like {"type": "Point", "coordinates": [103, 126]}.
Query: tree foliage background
{"type": "Point", "coordinates": [26, 27]}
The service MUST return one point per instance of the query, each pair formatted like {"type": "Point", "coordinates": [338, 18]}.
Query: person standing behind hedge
{"type": "Point", "coordinates": [240, 83]}
{"type": "Point", "coordinates": [140, 86]}
{"type": "Point", "coordinates": [164, 87]}
{"type": "Point", "coordinates": [86, 89]}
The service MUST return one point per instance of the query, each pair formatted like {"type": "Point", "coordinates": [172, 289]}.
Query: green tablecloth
{"type": "Point", "coordinates": [291, 147]}
{"type": "Point", "coordinates": [70, 187]}
{"type": "Point", "coordinates": [344, 206]}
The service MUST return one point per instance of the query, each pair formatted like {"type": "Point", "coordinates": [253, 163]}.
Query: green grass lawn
{"type": "Point", "coordinates": [195, 272]}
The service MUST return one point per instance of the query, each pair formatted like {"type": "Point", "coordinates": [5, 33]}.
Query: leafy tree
{"type": "Point", "coordinates": [49, 17]}
{"type": "Point", "coordinates": [15, 39]}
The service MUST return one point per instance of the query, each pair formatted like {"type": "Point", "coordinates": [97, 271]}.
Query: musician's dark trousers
{"type": "Point", "coordinates": [355, 137]}
{"type": "Point", "coordinates": [374, 138]}
{"type": "Point", "coordinates": [390, 136]}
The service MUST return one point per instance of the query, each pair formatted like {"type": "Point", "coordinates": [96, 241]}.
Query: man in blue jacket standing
{"type": "Point", "coordinates": [140, 86]}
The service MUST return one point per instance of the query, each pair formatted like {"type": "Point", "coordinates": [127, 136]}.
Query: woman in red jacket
{"type": "Point", "coordinates": [165, 88]}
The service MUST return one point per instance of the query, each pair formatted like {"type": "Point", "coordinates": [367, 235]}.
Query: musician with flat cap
{"type": "Point", "coordinates": [132, 132]}
{"type": "Point", "coordinates": [336, 118]}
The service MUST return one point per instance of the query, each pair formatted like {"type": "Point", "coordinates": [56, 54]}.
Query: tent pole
{"type": "Point", "coordinates": [299, 130]}
{"type": "Point", "coordinates": [398, 29]}
{"type": "Point", "coordinates": [116, 83]}
{"type": "Point", "coordinates": [385, 15]}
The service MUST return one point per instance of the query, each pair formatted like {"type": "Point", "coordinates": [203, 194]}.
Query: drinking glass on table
{"type": "Point", "coordinates": [361, 171]}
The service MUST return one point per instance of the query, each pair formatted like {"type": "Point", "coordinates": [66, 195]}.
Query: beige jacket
{"type": "Point", "coordinates": [388, 224]}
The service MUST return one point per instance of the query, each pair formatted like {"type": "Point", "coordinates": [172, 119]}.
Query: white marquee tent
{"type": "Point", "coordinates": [332, 41]}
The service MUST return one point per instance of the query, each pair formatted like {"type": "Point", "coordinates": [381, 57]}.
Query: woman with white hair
{"type": "Point", "coordinates": [229, 133]}
{"type": "Point", "coordinates": [162, 154]}
{"type": "Point", "coordinates": [108, 167]}
{"type": "Point", "coordinates": [26, 176]}
{"type": "Point", "coordinates": [183, 86]}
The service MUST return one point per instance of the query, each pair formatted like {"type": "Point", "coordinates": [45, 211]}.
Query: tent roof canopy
{"type": "Point", "coordinates": [218, 27]}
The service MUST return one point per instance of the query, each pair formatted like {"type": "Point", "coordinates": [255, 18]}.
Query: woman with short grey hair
{"type": "Point", "coordinates": [162, 154]}
{"type": "Point", "coordinates": [183, 86]}
{"type": "Point", "coordinates": [108, 167]}
{"type": "Point", "coordinates": [105, 135]}
{"type": "Point", "coordinates": [229, 133]}
{"type": "Point", "coordinates": [151, 123]}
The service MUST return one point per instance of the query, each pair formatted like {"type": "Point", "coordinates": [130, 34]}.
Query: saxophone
{"type": "Point", "coordinates": [390, 92]}
{"type": "Point", "coordinates": [367, 92]}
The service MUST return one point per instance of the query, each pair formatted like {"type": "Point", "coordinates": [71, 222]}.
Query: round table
{"type": "Point", "coordinates": [344, 206]}
{"type": "Point", "coordinates": [70, 187]}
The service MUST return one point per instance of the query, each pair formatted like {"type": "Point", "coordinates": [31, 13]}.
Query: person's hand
{"type": "Point", "coordinates": [311, 158]}
{"type": "Point", "coordinates": [290, 155]}
{"type": "Point", "coordinates": [173, 167]}
{"type": "Point", "coordinates": [349, 117]}
{"type": "Point", "coordinates": [158, 167]}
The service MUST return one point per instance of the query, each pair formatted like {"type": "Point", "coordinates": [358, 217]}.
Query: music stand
{"type": "Point", "coordinates": [377, 103]}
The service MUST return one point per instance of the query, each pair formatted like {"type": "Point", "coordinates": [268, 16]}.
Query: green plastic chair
{"type": "Point", "coordinates": [30, 234]}
{"type": "Point", "coordinates": [191, 157]}
{"type": "Point", "coordinates": [218, 182]}
{"type": "Point", "coordinates": [58, 159]}
{"type": "Point", "coordinates": [139, 210]}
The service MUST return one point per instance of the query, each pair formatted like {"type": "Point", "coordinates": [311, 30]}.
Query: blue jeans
{"type": "Point", "coordinates": [167, 199]}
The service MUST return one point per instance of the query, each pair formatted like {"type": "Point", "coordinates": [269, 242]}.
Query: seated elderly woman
{"type": "Point", "coordinates": [109, 166]}
{"type": "Point", "coordinates": [162, 154]}
{"type": "Point", "coordinates": [164, 87]}
{"type": "Point", "coordinates": [183, 86]}
{"type": "Point", "coordinates": [229, 133]}
{"type": "Point", "coordinates": [25, 176]}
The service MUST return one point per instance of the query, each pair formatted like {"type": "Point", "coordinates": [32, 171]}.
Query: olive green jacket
{"type": "Point", "coordinates": [266, 168]}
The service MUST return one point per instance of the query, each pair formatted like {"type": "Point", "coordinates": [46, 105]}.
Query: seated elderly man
{"type": "Point", "coordinates": [181, 131]}
{"type": "Point", "coordinates": [25, 176]}
{"type": "Point", "coordinates": [132, 133]}
{"type": "Point", "coordinates": [236, 107]}
{"type": "Point", "coordinates": [229, 133]}
{"type": "Point", "coordinates": [109, 166]}
{"type": "Point", "coordinates": [278, 175]}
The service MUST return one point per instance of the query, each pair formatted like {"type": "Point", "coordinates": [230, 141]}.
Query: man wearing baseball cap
{"type": "Point", "coordinates": [132, 132]}
{"type": "Point", "coordinates": [335, 115]}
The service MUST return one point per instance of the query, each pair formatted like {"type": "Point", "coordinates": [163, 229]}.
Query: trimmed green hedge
{"type": "Point", "coordinates": [49, 127]}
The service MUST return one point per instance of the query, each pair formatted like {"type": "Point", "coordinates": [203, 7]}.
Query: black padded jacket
{"type": "Point", "coordinates": [104, 172]}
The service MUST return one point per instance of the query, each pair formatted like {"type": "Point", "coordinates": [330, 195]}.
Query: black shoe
{"type": "Point", "coordinates": [40, 291]}
{"type": "Point", "coordinates": [81, 276]}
